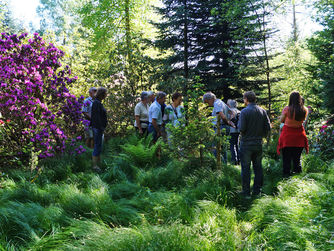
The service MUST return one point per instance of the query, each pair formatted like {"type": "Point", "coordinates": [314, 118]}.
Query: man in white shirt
{"type": "Point", "coordinates": [151, 97]}
{"type": "Point", "coordinates": [220, 110]}
{"type": "Point", "coordinates": [155, 116]}
{"type": "Point", "coordinates": [87, 112]}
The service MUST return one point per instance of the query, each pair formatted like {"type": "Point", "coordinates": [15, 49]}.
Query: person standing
{"type": "Point", "coordinates": [234, 132]}
{"type": "Point", "coordinates": [220, 110]}
{"type": "Point", "coordinates": [98, 123]}
{"type": "Point", "coordinates": [87, 112]}
{"type": "Point", "coordinates": [155, 116]}
{"type": "Point", "coordinates": [293, 138]}
{"type": "Point", "coordinates": [141, 114]}
{"type": "Point", "coordinates": [254, 125]}
{"type": "Point", "coordinates": [173, 112]}
{"type": "Point", "coordinates": [151, 97]}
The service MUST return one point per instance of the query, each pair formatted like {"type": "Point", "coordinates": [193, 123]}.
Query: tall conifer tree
{"type": "Point", "coordinates": [222, 37]}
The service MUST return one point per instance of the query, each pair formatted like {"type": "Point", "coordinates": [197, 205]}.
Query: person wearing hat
{"type": "Point", "coordinates": [141, 114]}
{"type": "Point", "coordinates": [87, 112]}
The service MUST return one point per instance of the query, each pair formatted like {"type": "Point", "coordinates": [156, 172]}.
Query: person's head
{"type": "Point", "coordinates": [209, 98]}
{"type": "Point", "coordinates": [296, 106]}
{"type": "Point", "coordinates": [249, 97]}
{"type": "Point", "coordinates": [101, 93]}
{"type": "Point", "coordinates": [177, 99]}
{"type": "Point", "coordinates": [161, 97]}
{"type": "Point", "coordinates": [151, 96]}
{"type": "Point", "coordinates": [144, 97]}
{"type": "Point", "coordinates": [92, 91]}
{"type": "Point", "coordinates": [232, 103]}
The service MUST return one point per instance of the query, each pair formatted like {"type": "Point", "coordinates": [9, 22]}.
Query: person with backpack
{"type": "Point", "coordinates": [234, 132]}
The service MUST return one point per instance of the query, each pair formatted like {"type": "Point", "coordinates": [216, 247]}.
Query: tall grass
{"type": "Point", "coordinates": [214, 228]}
{"type": "Point", "coordinates": [141, 203]}
{"type": "Point", "coordinates": [300, 217]}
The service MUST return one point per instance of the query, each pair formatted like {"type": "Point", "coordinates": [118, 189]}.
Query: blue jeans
{"type": "Point", "coordinates": [234, 147]}
{"type": "Point", "coordinates": [248, 154]}
{"type": "Point", "coordinates": [97, 135]}
{"type": "Point", "coordinates": [152, 130]}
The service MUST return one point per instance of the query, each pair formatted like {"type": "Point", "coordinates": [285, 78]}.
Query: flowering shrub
{"type": "Point", "coordinates": [120, 104]}
{"type": "Point", "coordinates": [36, 108]}
{"type": "Point", "coordinates": [322, 142]}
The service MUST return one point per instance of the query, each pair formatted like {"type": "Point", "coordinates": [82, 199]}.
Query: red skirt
{"type": "Point", "coordinates": [292, 137]}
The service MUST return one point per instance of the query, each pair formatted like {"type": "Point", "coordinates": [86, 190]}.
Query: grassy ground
{"type": "Point", "coordinates": [142, 203]}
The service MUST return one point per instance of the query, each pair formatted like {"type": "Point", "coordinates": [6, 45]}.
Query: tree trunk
{"type": "Point", "coordinates": [127, 30]}
{"type": "Point", "coordinates": [294, 23]}
{"type": "Point", "coordinates": [186, 47]}
{"type": "Point", "coordinates": [128, 56]}
{"type": "Point", "coordinates": [219, 144]}
{"type": "Point", "coordinates": [267, 67]}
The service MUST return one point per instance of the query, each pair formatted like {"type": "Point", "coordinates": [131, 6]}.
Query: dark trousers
{"type": "Point", "coordinates": [251, 154]}
{"type": "Point", "coordinates": [152, 130]}
{"type": "Point", "coordinates": [234, 147]}
{"type": "Point", "coordinates": [98, 139]}
{"type": "Point", "coordinates": [291, 154]}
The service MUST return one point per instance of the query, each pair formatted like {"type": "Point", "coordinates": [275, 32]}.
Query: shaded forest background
{"type": "Point", "coordinates": [135, 45]}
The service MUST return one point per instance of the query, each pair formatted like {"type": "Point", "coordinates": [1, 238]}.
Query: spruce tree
{"type": "Point", "coordinates": [215, 40]}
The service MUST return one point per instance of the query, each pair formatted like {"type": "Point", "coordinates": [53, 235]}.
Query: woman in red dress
{"type": "Point", "coordinates": [293, 138]}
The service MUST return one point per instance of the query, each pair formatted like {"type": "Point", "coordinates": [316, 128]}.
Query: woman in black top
{"type": "Point", "coordinates": [98, 123]}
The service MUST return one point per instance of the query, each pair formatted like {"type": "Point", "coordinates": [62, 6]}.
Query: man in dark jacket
{"type": "Point", "coordinates": [98, 123]}
{"type": "Point", "coordinates": [254, 125]}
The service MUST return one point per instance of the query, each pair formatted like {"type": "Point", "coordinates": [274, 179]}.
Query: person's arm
{"type": "Point", "coordinates": [242, 122]}
{"type": "Point", "coordinates": [267, 125]}
{"type": "Point", "coordinates": [155, 114]}
{"type": "Point", "coordinates": [137, 117]}
{"type": "Point", "coordinates": [306, 117]}
{"type": "Point", "coordinates": [224, 118]}
{"type": "Point", "coordinates": [156, 127]}
{"type": "Point", "coordinates": [138, 124]}
{"type": "Point", "coordinates": [283, 115]}
{"type": "Point", "coordinates": [86, 115]}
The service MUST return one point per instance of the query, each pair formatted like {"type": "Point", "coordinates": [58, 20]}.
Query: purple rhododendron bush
{"type": "Point", "coordinates": [37, 111]}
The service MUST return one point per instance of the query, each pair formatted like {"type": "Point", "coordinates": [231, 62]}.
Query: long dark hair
{"type": "Point", "coordinates": [297, 110]}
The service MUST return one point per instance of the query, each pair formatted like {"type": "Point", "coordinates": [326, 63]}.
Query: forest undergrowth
{"type": "Point", "coordinates": [141, 202]}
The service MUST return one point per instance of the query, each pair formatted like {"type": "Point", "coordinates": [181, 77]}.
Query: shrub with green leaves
{"type": "Point", "coordinates": [194, 135]}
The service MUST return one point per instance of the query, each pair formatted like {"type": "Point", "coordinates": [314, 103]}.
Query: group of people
{"type": "Point", "coordinates": [246, 128]}
{"type": "Point", "coordinates": [152, 114]}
